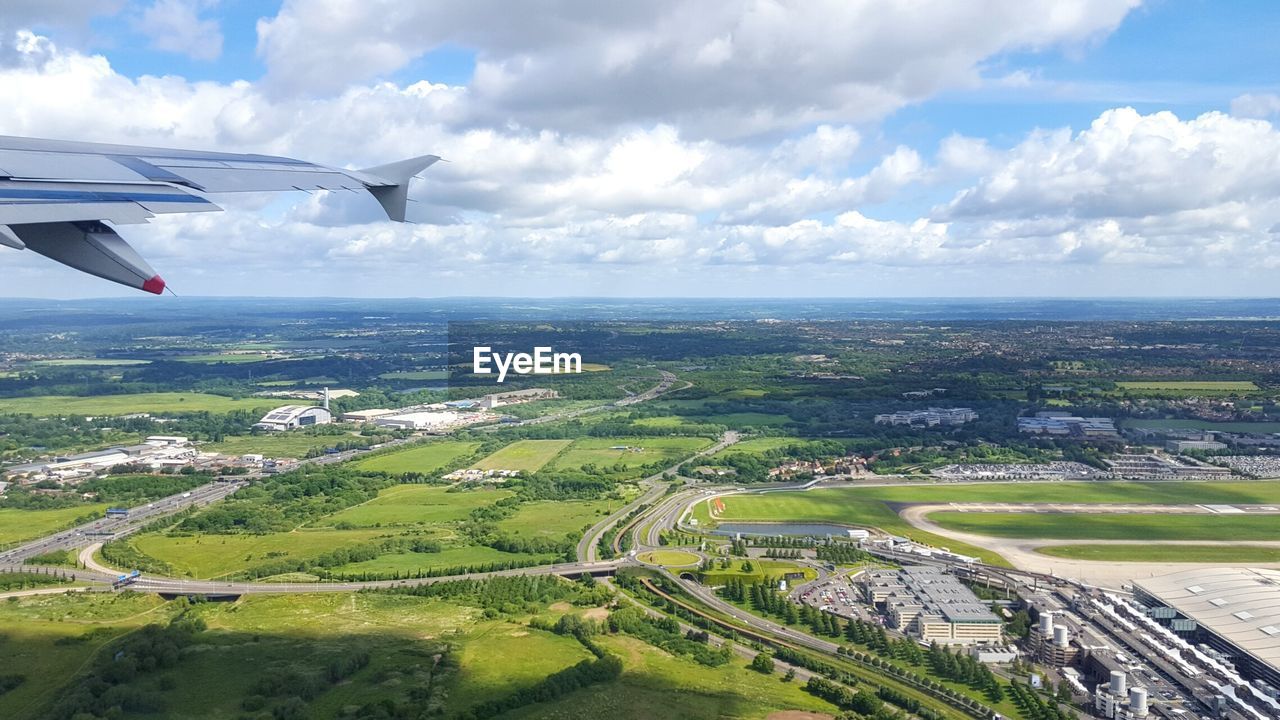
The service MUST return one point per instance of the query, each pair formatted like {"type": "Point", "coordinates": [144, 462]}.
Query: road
{"type": "Point", "coordinates": [109, 528]}
{"type": "Point", "coordinates": [588, 545]}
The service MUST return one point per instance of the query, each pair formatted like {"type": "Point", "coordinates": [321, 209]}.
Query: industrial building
{"type": "Point", "coordinates": [1061, 424]}
{"type": "Point", "coordinates": [1050, 642]}
{"type": "Point", "coordinates": [1235, 611]}
{"type": "Point", "coordinates": [421, 420]}
{"type": "Point", "coordinates": [931, 605]}
{"type": "Point", "coordinates": [928, 418]}
{"type": "Point", "coordinates": [515, 397]}
{"type": "Point", "coordinates": [1119, 701]}
{"type": "Point", "coordinates": [1155, 466]}
{"type": "Point", "coordinates": [290, 417]}
{"type": "Point", "coordinates": [1178, 446]}
{"type": "Point", "coordinates": [366, 416]}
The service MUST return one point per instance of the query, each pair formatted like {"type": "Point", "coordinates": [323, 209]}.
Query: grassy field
{"type": "Point", "coordinates": [49, 638]}
{"type": "Point", "coordinates": [1207, 386]}
{"type": "Point", "coordinates": [555, 519]}
{"type": "Point", "coordinates": [95, 362]}
{"type": "Point", "coordinates": [275, 445]}
{"type": "Point", "coordinates": [211, 556]}
{"type": "Point", "coordinates": [416, 375]}
{"type": "Point", "coordinates": [163, 402]}
{"type": "Point", "coordinates": [233, 358]}
{"type": "Point", "coordinates": [756, 446]}
{"type": "Point", "coordinates": [745, 419]}
{"type": "Point", "coordinates": [669, 558]}
{"type": "Point", "coordinates": [449, 557]}
{"type": "Point", "coordinates": [633, 452]}
{"type": "Point", "coordinates": [1176, 424]}
{"type": "Point", "coordinates": [423, 458]}
{"type": "Point", "coordinates": [408, 505]}
{"type": "Point", "coordinates": [17, 526]}
{"type": "Point", "coordinates": [760, 569]}
{"type": "Point", "coordinates": [656, 685]}
{"type": "Point", "coordinates": [1113, 526]}
{"type": "Point", "coordinates": [870, 506]}
{"type": "Point", "coordinates": [526, 455]}
{"type": "Point", "coordinates": [1139, 552]}
{"type": "Point", "coordinates": [487, 667]}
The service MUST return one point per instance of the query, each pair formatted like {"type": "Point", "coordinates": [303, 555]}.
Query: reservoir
{"type": "Point", "coordinates": [815, 530]}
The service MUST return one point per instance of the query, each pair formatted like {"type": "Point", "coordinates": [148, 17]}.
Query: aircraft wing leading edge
{"type": "Point", "coordinates": [56, 196]}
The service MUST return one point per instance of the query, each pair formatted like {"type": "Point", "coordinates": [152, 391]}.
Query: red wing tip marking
{"type": "Point", "coordinates": [154, 286]}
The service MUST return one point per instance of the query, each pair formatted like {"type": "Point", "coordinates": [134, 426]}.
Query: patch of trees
{"type": "Point", "coordinates": [288, 500]}
{"type": "Point", "coordinates": [512, 594]}
{"type": "Point", "coordinates": [842, 553]}
{"type": "Point", "coordinates": [293, 688]}
{"type": "Point", "coordinates": [584, 674]}
{"type": "Point", "coordinates": [24, 580]}
{"type": "Point", "coordinates": [110, 688]}
{"type": "Point", "coordinates": [121, 554]}
{"type": "Point", "coordinates": [665, 633]}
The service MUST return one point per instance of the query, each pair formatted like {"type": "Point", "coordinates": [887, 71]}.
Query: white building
{"type": "Point", "coordinates": [417, 420]}
{"type": "Point", "coordinates": [290, 417]}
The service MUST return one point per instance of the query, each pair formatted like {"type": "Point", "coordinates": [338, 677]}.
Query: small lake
{"type": "Point", "coordinates": [815, 530]}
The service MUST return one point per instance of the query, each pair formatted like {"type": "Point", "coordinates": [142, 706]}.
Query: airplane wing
{"type": "Point", "coordinates": [56, 196]}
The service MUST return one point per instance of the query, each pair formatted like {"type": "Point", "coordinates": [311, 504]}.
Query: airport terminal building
{"type": "Point", "coordinates": [1234, 611]}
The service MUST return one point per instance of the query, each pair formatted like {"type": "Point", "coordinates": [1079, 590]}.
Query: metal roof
{"type": "Point", "coordinates": [1241, 605]}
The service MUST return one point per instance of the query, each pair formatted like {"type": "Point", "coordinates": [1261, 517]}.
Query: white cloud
{"type": "Point", "coordinates": [712, 69]}
{"type": "Point", "coordinates": [176, 26]}
{"type": "Point", "coordinates": [1259, 105]}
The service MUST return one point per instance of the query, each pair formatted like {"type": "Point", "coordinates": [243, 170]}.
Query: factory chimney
{"type": "Point", "coordinates": [326, 399]}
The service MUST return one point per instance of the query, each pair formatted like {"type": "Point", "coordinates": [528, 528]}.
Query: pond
{"type": "Point", "coordinates": [815, 530]}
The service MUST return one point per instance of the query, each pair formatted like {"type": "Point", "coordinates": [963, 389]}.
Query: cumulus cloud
{"type": "Point", "coordinates": [177, 26]}
{"type": "Point", "coordinates": [1259, 105]}
{"type": "Point", "coordinates": [714, 69]}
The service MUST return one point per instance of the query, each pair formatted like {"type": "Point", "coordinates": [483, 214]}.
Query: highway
{"type": "Point", "coordinates": [109, 528]}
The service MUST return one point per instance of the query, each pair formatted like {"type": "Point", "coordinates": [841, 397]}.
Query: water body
{"type": "Point", "coordinates": [815, 530]}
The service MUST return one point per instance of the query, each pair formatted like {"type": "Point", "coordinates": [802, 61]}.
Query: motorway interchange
{"type": "Point", "coordinates": [662, 505]}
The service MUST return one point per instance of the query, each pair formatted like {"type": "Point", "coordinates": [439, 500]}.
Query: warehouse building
{"type": "Point", "coordinates": [1235, 611]}
{"type": "Point", "coordinates": [931, 605]}
{"type": "Point", "coordinates": [289, 417]}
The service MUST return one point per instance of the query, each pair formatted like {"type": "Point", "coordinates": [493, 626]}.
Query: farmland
{"type": "Point", "coordinates": [18, 525]}
{"type": "Point", "coordinates": [523, 455]}
{"type": "Point", "coordinates": [556, 518]}
{"type": "Point", "coordinates": [756, 446]}
{"type": "Point", "coordinates": [627, 452]}
{"type": "Point", "coordinates": [275, 445]}
{"type": "Point", "coordinates": [423, 458]}
{"type": "Point", "coordinates": [212, 556]}
{"type": "Point", "coordinates": [160, 402]}
{"type": "Point", "coordinates": [412, 505]}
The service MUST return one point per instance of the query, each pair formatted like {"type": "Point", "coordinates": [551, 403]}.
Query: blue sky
{"type": "Point", "coordinates": [673, 149]}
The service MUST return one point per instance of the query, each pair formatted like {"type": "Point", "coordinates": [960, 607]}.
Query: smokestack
{"type": "Point", "coordinates": [1060, 635]}
{"type": "Point", "coordinates": [1118, 683]}
{"type": "Point", "coordinates": [1046, 625]}
{"type": "Point", "coordinates": [1138, 702]}
{"type": "Point", "coordinates": [326, 398]}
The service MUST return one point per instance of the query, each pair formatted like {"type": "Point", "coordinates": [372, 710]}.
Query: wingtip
{"type": "Point", "coordinates": [155, 285]}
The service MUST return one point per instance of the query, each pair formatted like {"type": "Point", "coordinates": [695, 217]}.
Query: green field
{"type": "Point", "coordinates": [409, 505]}
{"type": "Point", "coordinates": [275, 445]}
{"type": "Point", "coordinates": [163, 402]}
{"type": "Point", "coordinates": [745, 419]}
{"type": "Point", "coordinates": [487, 669]}
{"type": "Point", "coordinates": [411, 563]}
{"type": "Point", "coordinates": [17, 526]}
{"type": "Point", "coordinates": [1175, 424]}
{"type": "Point", "coordinates": [756, 446]}
{"type": "Point", "coordinates": [669, 558]}
{"type": "Point", "coordinates": [211, 556]}
{"type": "Point", "coordinates": [630, 453]}
{"type": "Point", "coordinates": [760, 569]}
{"type": "Point", "coordinates": [869, 506]}
{"type": "Point", "coordinates": [524, 455]}
{"type": "Point", "coordinates": [49, 638]}
{"type": "Point", "coordinates": [416, 375]}
{"type": "Point", "coordinates": [96, 362]}
{"type": "Point", "coordinates": [1139, 552]}
{"type": "Point", "coordinates": [1112, 526]}
{"type": "Point", "coordinates": [233, 358]}
{"type": "Point", "coordinates": [556, 518]}
{"type": "Point", "coordinates": [424, 458]}
{"type": "Point", "coordinates": [1210, 386]}
{"type": "Point", "coordinates": [657, 685]}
